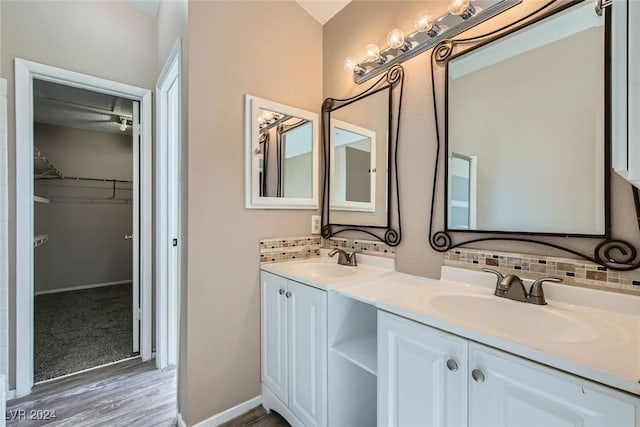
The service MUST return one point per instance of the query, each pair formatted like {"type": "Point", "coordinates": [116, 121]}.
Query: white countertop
{"type": "Point", "coordinates": [608, 351]}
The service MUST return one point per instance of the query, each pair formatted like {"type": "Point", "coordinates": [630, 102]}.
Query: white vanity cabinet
{"type": "Point", "coordinates": [625, 80]}
{"type": "Point", "coordinates": [294, 350]}
{"type": "Point", "coordinates": [422, 375]}
{"type": "Point", "coordinates": [506, 390]}
{"type": "Point", "coordinates": [419, 386]}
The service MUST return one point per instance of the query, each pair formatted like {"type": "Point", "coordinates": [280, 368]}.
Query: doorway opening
{"type": "Point", "coordinates": [86, 305]}
{"type": "Point", "coordinates": [30, 78]}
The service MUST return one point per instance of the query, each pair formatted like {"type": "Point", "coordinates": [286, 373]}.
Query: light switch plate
{"type": "Point", "coordinates": [316, 221]}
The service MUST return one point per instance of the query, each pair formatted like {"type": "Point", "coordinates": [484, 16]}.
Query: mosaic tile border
{"type": "Point", "coordinates": [572, 271]}
{"type": "Point", "coordinates": [368, 247]}
{"type": "Point", "coordinates": [289, 248]}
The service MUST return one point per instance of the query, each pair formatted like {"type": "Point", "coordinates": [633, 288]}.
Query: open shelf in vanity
{"type": "Point", "coordinates": [353, 360]}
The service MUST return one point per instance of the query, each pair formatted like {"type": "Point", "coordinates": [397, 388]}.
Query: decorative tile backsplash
{"type": "Point", "coordinates": [288, 248]}
{"type": "Point", "coordinates": [368, 247]}
{"type": "Point", "coordinates": [572, 271]}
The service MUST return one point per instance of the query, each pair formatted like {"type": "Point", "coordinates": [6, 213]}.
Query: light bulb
{"type": "Point", "coordinates": [123, 124]}
{"type": "Point", "coordinates": [395, 39]}
{"type": "Point", "coordinates": [463, 8]}
{"type": "Point", "coordinates": [426, 23]}
{"type": "Point", "coordinates": [373, 53]}
{"type": "Point", "coordinates": [351, 64]}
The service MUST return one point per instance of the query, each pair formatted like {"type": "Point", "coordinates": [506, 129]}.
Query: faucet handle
{"type": "Point", "coordinates": [496, 272]}
{"type": "Point", "coordinates": [536, 293]}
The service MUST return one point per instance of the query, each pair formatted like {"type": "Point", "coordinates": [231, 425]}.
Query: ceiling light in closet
{"type": "Point", "coordinates": [123, 124]}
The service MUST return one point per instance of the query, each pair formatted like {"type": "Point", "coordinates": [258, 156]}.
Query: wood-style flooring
{"type": "Point", "coordinates": [129, 393]}
{"type": "Point", "coordinates": [257, 417]}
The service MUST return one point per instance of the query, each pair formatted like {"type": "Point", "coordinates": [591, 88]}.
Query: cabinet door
{"type": "Point", "coordinates": [308, 353]}
{"type": "Point", "coordinates": [415, 385]}
{"type": "Point", "coordinates": [625, 82]}
{"type": "Point", "coordinates": [274, 334]}
{"type": "Point", "coordinates": [517, 392]}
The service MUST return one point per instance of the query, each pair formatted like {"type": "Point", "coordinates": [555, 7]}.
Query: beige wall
{"type": "Point", "coordinates": [109, 39]}
{"type": "Point", "coordinates": [86, 244]}
{"type": "Point", "coordinates": [271, 50]}
{"type": "Point", "coordinates": [363, 22]}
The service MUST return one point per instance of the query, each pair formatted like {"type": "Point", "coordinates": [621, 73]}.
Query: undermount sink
{"type": "Point", "coordinates": [320, 270]}
{"type": "Point", "coordinates": [515, 319]}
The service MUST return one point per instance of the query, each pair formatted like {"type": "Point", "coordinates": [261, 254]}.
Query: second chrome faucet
{"type": "Point", "coordinates": [345, 258]}
{"type": "Point", "coordinates": [511, 287]}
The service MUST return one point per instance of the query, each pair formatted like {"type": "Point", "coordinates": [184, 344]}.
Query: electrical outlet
{"type": "Point", "coordinates": [316, 221]}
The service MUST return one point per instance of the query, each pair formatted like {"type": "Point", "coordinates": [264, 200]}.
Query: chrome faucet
{"type": "Point", "coordinates": [511, 287]}
{"type": "Point", "coordinates": [345, 258]}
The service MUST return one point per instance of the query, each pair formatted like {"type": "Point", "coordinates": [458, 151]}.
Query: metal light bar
{"type": "Point", "coordinates": [450, 26]}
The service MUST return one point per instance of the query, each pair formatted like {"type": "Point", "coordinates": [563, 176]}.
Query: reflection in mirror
{"type": "Point", "coordinates": [282, 155]}
{"type": "Point", "coordinates": [353, 164]}
{"type": "Point", "coordinates": [359, 154]}
{"type": "Point", "coordinates": [361, 177]}
{"type": "Point", "coordinates": [526, 130]}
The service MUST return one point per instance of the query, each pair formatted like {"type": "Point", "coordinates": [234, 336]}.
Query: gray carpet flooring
{"type": "Point", "coordinates": [79, 330]}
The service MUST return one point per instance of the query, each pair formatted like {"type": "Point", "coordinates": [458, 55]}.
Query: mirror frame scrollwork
{"type": "Point", "coordinates": [613, 253]}
{"type": "Point", "coordinates": [391, 232]}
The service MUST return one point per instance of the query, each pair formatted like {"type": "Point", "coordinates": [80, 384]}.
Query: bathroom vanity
{"type": "Point", "coordinates": [364, 346]}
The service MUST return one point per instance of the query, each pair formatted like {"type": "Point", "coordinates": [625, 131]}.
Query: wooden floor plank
{"type": "Point", "coordinates": [125, 394]}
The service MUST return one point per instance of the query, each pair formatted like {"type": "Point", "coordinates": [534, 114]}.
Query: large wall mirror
{"type": "Point", "coordinates": [526, 130]}
{"type": "Point", "coordinates": [360, 139]}
{"type": "Point", "coordinates": [527, 133]}
{"type": "Point", "coordinates": [281, 144]}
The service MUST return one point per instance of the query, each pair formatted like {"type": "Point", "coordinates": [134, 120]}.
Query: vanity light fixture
{"type": "Point", "coordinates": [462, 8]}
{"type": "Point", "coordinates": [430, 29]}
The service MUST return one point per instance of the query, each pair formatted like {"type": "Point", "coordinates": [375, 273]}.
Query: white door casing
{"type": "Point", "coordinates": [25, 72]}
{"type": "Point", "coordinates": [135, 241]}
{"type": "Point", "coordinates": [168, 208]}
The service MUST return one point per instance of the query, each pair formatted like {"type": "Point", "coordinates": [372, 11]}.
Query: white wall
{"type": "Point", "coordinates": [86, 244]}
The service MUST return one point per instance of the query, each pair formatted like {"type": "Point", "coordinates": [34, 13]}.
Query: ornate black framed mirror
{"type": "Point", "coordinates": [526, 142]}
{"type": "Point", "coordinates": [360, 142]}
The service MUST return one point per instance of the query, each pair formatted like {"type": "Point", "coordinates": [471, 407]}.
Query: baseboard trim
{"type": "Point", "coordinates": [179, 421]}
{"type": "Point", "coordinates": [230, 413]}
{"type": "Point", "coordinates": [11, 394]}
{"type": "Point", "coordinates": [79, 288]}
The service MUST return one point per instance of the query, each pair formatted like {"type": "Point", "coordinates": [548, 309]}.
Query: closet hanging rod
{"type": "Point", "coordinates": [79, 178]}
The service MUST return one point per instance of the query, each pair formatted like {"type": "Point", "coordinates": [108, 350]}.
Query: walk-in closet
{"type": "Point", "coordinates": [84, 203]}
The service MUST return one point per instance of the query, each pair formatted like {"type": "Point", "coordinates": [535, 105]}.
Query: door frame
{"type": "Point", "coordinates": [25, 72]}
{"type": "Point", "coordinates": [171, 74]}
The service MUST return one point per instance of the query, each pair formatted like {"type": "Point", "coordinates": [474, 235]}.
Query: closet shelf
{"type": "Point", "coordinates": [40, 239]}
{"type": "Point", "coordinates": [42, 167]}
{"type": "Point", "coordinates": [40, 199]}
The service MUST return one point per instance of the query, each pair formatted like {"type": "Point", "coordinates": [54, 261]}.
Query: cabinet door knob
{"type": "Point", "coordinates": [281, 291]}
{"type": "Point", "coordinates": [477, 375]}
{"type": "Point", "coordinates": [452, 365]}
{"type": "Point", "coordinates": [288, 294]}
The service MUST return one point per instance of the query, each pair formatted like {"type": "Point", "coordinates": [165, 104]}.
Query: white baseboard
{"type": "Point", "coordinates": [179, 421]}
{"type": "Point", "coordinates": [230, 413]}
{"type": "Point", "coordinates": [78, 288]}
{"type": "Point", "coordinates": [11, 394]}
